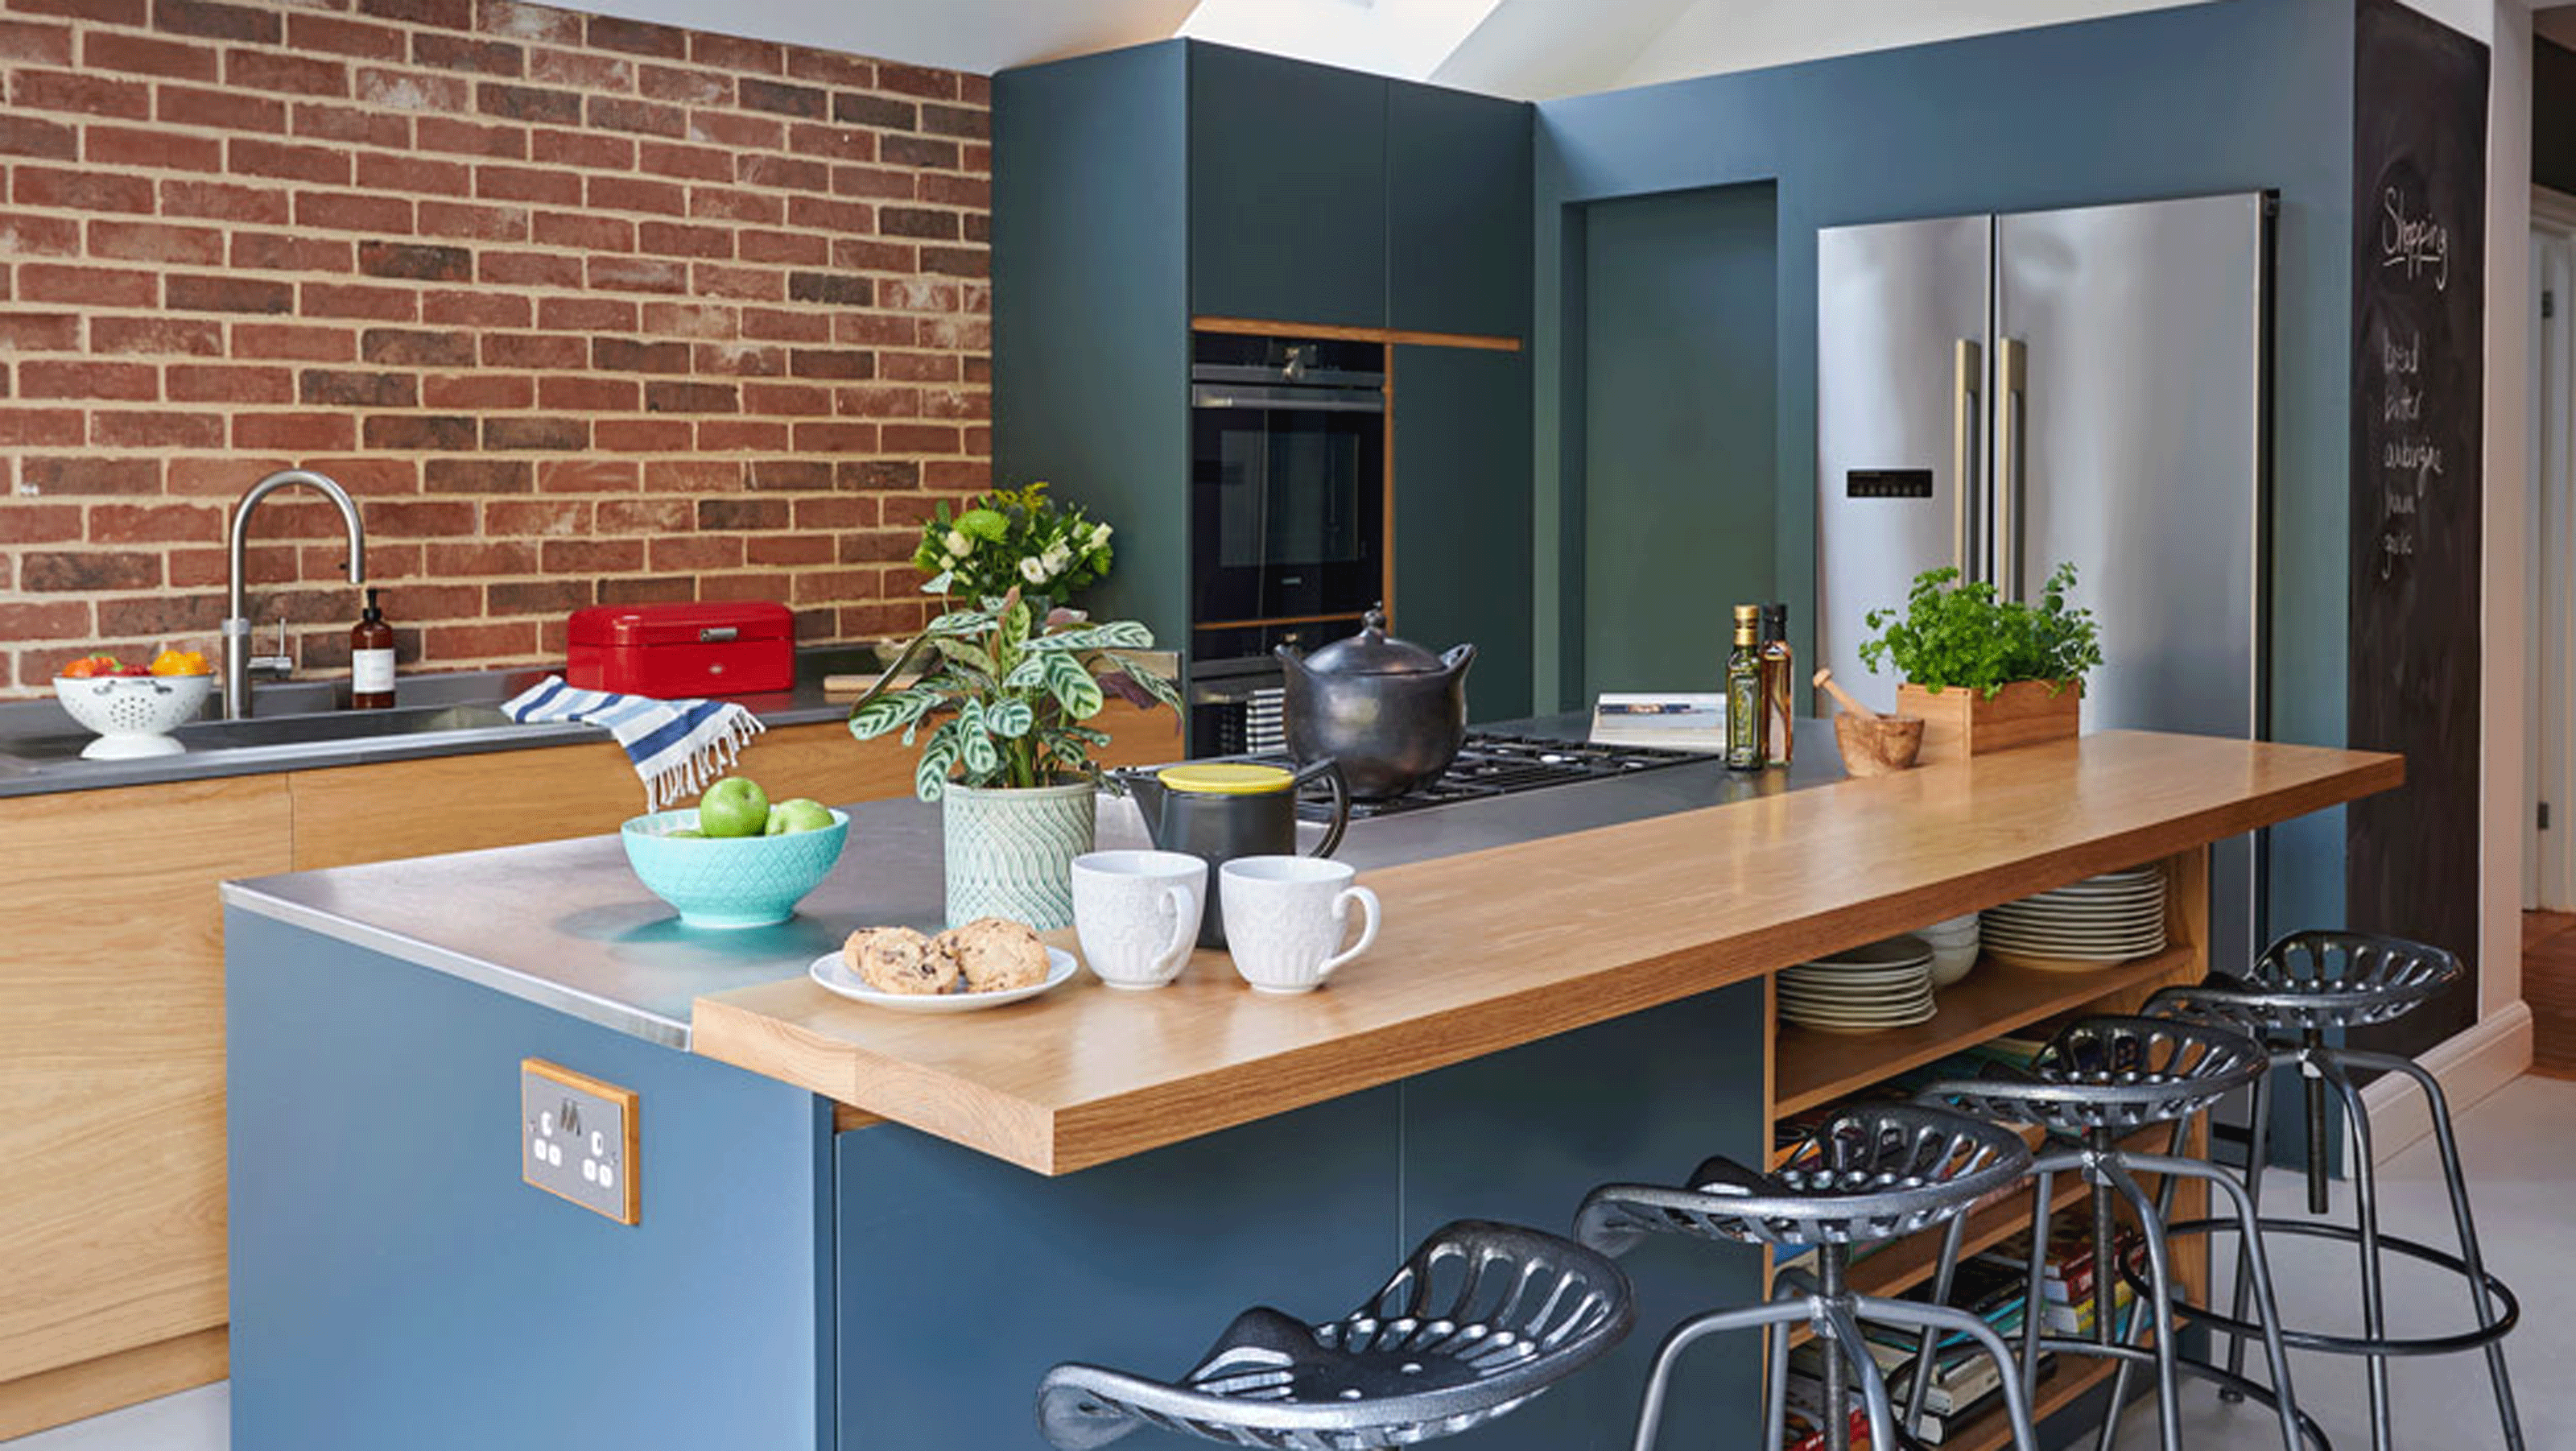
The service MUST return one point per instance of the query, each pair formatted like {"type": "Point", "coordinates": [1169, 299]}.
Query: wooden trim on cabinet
{"type": "Point", "coordinates": [1264, 327]}
{"type": "Point", "coordinates": [1275, 620]}
{"type": "Point", "coordinates": [75, 1392]}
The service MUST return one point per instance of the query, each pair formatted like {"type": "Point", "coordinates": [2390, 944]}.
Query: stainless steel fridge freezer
{"type": "Point", "coordinates": [2003, 393]}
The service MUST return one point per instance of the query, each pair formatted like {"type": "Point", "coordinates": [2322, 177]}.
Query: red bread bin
{"type": "Point", "coordinates": [675, 651]}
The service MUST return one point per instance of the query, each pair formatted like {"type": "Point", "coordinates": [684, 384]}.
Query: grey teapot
{"type": "Point", "coordinates": [1391, 714]}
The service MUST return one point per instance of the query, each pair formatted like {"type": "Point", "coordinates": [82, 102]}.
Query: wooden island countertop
{"type": "Point", "coordinates": [1488, 950]}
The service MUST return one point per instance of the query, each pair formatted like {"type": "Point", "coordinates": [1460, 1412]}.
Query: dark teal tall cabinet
{"type": "Point", "coordinates": [1138, 189]}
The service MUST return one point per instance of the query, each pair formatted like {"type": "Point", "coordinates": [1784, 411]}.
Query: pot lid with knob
{"type": "Point", "coordinates": [1375, 652]}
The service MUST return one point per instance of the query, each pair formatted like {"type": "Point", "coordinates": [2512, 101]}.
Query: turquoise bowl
{"type": "Point", "coordinates": [731, 881]}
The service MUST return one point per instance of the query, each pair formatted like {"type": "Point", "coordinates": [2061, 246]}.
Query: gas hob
{"type": "Point", "coordinates": [1500, 765]}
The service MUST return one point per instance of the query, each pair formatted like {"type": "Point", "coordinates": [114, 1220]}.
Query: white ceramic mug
{"type": "Point", "coordinates": [1285, 917]}
{"type": "Point", "coordinates": [1137, 913]}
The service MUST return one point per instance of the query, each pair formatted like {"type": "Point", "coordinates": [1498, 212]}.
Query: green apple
{"type": "Point", "coordinates": [804, 813]}
{"type": "Point", "coordinates": [734, 806]}
{"type": "Point", "coordinates": [688, 831]}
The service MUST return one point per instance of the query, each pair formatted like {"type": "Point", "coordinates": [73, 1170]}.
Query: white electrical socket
{"type": "Point", "coordinates": [577, 1138]}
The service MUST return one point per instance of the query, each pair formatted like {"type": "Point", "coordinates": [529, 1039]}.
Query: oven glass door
{"type": "Point", "coordinates": [1288, 510]}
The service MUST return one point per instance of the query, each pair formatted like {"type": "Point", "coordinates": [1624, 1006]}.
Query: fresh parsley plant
{"type": "Point", "coordinates": [1953, 632]}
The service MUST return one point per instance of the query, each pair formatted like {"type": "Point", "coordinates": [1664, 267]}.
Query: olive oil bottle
{"type": "Point", "coordinates": [1747, 712]}
{"type": "Point", "coordinates": [1779, 684]}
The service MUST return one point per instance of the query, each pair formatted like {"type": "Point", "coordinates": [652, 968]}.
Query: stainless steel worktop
{"type": "Point", "coordinates": [566, 924]}
{"type": "Point", "coordinates": [437, 715]}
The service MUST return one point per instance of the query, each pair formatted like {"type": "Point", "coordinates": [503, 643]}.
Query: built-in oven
{"type": "Point", "coordinates": [1287, 516]}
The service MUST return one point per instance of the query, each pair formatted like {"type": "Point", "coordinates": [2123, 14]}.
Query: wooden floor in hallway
{"type": "Point", "coordinates": [2549, 986]}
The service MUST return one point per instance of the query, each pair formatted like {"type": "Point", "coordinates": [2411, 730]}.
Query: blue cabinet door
{"type": "Point", "coordinates": [1458, 212]}
{"type": "Point", "coordinates": [1461, 420]}
{"type": "Point", "coordinates": [1287, 190]}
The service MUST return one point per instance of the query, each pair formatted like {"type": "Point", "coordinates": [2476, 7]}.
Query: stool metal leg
{"type": "Point", "coordinates": [2455, 1180]}
{"type": "Point", "coordinates": [2159, 1307]}
{"type": "Point", "coordinates": [1934, 1319]}
{"type": "Point", "coordinates": [2258, 1155]}
{"type": "Point", "coordinates": [2365, 1195]}
{"type": "Point", "coordinates": [1944, 1271]}
{"type": "Point", "coordinates": [2276, 1350]}
{"type": "Point", "coordinates": [1775, 1395]}
{"type": "Point", "coordinates": [1847, 1339]}
{"type": "Point", "coordinates": [2035, 1281]}
{"type": "Point", "coordinates": [1782, 1312]}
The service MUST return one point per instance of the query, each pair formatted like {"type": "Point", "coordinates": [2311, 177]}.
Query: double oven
{"type": "Point", "coordinates": [1288, 518]}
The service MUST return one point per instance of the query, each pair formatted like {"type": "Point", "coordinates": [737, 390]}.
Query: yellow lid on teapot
{"type": "Point", "coordinates": [1225, 778]}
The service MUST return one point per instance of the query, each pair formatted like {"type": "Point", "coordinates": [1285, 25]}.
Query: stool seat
{"type": "Point", "coordinates": [1478, 1320]}
{"type": "Point", "coordinates": [1870, 1172]}
{"type": "Point", "coordinates": [2115, 1074]}
{"type": "Point", "coordinates": [2314, 981]}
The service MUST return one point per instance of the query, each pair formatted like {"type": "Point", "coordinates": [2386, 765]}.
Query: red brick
{"type": "Point", "coordinates": [786, 400]}
{"type": "Point", "coordinates": [643, 435]}
{"type": "Point", "coordinates": [247, 156]}
{"type": "Point", "coordinates": [105, 12]}
{"type": "Point", "coordinates": [841, 438]}
{"type": "Point", "coordinates": [684, 87]}
{"type": "Point", "coordinates": [224, 110]}
{"type": "Point", "coordinates": [643, 118]}
{"type": "Point", "coordinates": [674, 239]}
{"type": "Point", "coordinates": [87, 95]}
{"type": "Point", "coordinates": [637, 274]}
{"type": "Point", "coordinates": [464, 644]}
{"type": "Point", "coordinates": [419, 518]}
{"type": "Point", "coordinates": [57, 620]}
{"type": "Point", "coordinates": [732, 53]}
{"type": "Point", "coordinates": [63, 572]}
{"type": "Point", "coordinates": [91, 475]}
{"type": "Point", "coordinates": [328, 121]}
{"type": "Point", "coordinates": [883, 112]}
{"type": "Point", "coordinates": [84, 191]}
{"type": "Point", "coordinates": [290, 252]}
{"type": "Point", "coordinates": [412, 90]}
{"type": "Point", "coordinates": [587, 233]}
{"type": "Point", "coordinates": [826, 215]}
{"type": "Point", "coordinates": [508, 435]}
{"type": "Point", "coordinates": [301, 75]}
{"type": "Point", "coordinates": [581, 148]}
{"type": "Point", "coordinates": [470, 54]}
{"type": "Point", "coordinates": [918, 151]}
{"type": "Point", "coordinates": [164, 150]}
{"type": "Point", "coordinates": [918, 438]}
{"type": "Point", "coordinates": [477, 476]}
{"type": "Point", "coordinates": [700, 552]}
{"type": "Point", "coordinates": [39, 332]}
{"type": "Point", "coordinates": [156, 428]}
{"type": "Point", "coordinates": [28, 42]}
{"type": "Point", "coordinates": [636, 37]}
{"type": "Point", "coordinates": [300, 341]}
{"type": "Point", "coordinates": [528, 103]}
{"type": "Point", "coordinates": [694, 163]}
{"type": "Point", "coordinates": [831, 67]}
{"type": "Point", "coordinates": [740, 435]}
{"type": "Point", "coordinates": [888, 401]}
{"type": "Point", "coordinates": [414, 432]}
{"type": "Point", "coordinates": [535, 518]}
{"type": "Point", "coordinates": [645, 516]}
{"type": "Point", "coordinates": [444, 14]}
{"type": "Point", "coordinates": [478, 391]}
{"type": "Point", "coordinates": [525, 184]}
{"type": "Point", "coordinates": [668, 396]}
{"type": "Point", "coordinates": [534, 350]}
{"type": "Point", "coordinates": [229, 294]}
{"type": "Point", "coordinates": [87, 286]}
{"type": "Point", "coordinates": [738, 360]}
{"type": "Point", "coordinates": [529, 269]}
{"type": "Point", "coordinates": [578, 68]}
{"type": "Point", "coordinates": [353, 388]}
{"type": "Point", "coordinates": [586, 314]}
{"type": "Point", "coordinates": [355, 38]}
{"type": "Point", "coordinates": [593, 556]}
{"type": "Point", "coordinates": [786, 173]}
{"type": "Point", "coordinates": [635, 194]}
{"type": "Point", "coordinates": [461, 308]}
{"type": "Point", "coordinates": [157, 242]}
{"type": "Point", "coordinates": [215, 383]}
{"type": "Point", "coordinates": [484, 557]}
{"type": "Point", "coordinates": [217, 21]}
{"type": "Point", "coordinates": [474, 223]}
{"type": "Point", "coordinates": [790, 249]}
{"type": "Point", "coordinates": [471, 138]}
{"type": "Point", "coordinates": [375, 304]}
{"type": "Point", "coordinates": [777, 325]}
{"type": "Point", "coordinates": [527, 22]}
{"type": "Point", "coordinates": [748, 284]}
{"type": "Point", "coordinates": [185, 337]}
{"type": "Point", "coordinates": [28, 235]}
{"type": "Point", "coordinates": [225, 201]}
{"type": "Point", "coordinates": [580, 393]}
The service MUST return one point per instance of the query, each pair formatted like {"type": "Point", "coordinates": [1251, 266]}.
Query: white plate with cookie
{"type": "Point", "coordinates": [983, 964]}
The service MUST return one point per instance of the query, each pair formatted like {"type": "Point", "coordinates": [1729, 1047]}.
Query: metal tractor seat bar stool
{"type": "Point", "coordinates": [2099, 1080]}
{"type": "Point", "coordinates": [2303, 987]}
{"type": "Point", "coordinates": [1869, 1172]}
{"type": "Point", "coordinates": [1479, 1320]}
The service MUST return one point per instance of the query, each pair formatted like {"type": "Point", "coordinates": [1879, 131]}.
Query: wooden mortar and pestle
{"type": "Point", "coordinates": [1872, 744]}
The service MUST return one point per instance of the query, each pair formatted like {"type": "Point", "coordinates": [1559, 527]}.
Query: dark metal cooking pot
{"type": "Point", "coordinates": [1390, 714]}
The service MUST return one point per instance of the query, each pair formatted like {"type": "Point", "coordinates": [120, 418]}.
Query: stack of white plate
{"type": "Point", "coordinates": [2094, 923]}
{"type": "Point", "coordinates": [1954, 948]}
{"type": "Point", "coordinates": [1883, 985]}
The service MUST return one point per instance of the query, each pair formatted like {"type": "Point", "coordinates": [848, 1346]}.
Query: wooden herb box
{"type": "Point", "coordinates": [1960, 723]}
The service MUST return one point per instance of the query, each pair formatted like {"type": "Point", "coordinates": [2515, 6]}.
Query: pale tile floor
{"type": "Point", "coordinates": [2521, 1151]}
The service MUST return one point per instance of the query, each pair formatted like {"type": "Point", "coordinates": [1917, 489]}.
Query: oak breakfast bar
{"type": "Point", "coordinates": [873, 1232]}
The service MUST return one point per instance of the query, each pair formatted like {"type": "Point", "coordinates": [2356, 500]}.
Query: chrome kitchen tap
{"type": "Point", "coordinates": [237, 646]}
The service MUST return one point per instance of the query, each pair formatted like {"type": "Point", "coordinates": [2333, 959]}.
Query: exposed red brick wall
{"type": "Point", "coordinates": [581, 309]}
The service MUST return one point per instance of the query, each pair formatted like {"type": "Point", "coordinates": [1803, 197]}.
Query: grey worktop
{"type": "Point", "coordinates": [40, 744]}
{"type": "Point", "coordinates": [566, 924]}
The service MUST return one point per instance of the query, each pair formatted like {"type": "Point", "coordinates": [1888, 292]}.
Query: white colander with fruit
{"type": "Point", "coordinates": [134, 708]}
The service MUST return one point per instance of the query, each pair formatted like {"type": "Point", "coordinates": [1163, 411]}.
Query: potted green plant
{"type": "Point", "coordinates": [1004, 690]}
{"type": "Point", "coordinates": [1986, 674]}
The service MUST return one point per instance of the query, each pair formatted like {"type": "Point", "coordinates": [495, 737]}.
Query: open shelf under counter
{"type": "Point", "coordinates": [1811, 1067]}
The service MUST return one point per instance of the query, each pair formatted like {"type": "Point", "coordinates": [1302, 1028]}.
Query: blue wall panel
{"type": "Point", "coordinates": [395, 1287]}
{"type": "Point", "coordinates": [2239, 96]}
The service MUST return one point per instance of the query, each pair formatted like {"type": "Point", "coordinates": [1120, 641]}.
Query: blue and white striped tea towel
{"type": "Point", "coordinates": [679, 747]}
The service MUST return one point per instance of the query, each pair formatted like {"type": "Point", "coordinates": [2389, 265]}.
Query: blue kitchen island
{"type": "Point", "coordinates": [874, 1232]}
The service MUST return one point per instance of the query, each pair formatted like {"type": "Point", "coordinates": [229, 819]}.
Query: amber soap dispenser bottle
{"type": "Point", "coordinates": [371, 660]}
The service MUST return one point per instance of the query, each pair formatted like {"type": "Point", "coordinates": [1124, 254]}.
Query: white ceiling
{"type": "Point", "coordinates": [1532, 49]}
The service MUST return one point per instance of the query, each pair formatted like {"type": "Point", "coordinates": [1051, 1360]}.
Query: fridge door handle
{"type": "Point", "coordinates": [2012, 367]}
{"type": "Point", "coordinates": [1967, 410]}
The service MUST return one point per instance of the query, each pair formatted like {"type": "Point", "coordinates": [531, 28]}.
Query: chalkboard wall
{"type": "Point", "coordinates": [2418, 400]}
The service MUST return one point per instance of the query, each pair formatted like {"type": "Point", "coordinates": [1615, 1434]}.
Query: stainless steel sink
{"type": "Point", "coordinates": [343, 725]}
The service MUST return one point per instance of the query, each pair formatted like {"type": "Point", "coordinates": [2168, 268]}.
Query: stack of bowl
{"type": "Point", "coordinates": [1954, 948]}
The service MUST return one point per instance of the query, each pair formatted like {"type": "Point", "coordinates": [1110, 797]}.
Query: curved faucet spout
{"type": "Point", "coordinates": [236, 611]}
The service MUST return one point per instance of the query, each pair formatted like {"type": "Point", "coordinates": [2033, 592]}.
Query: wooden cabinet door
{"type": "Point", "coordinates": [1287, 190]}
{"type": "Point", "coordinates": [1462, 515]}
{"type": "Point", "coordinates": [112, 1064]}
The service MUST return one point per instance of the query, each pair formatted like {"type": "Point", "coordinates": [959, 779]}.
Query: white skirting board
{"type": "Point", "coordinates": [2469, 1065]}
